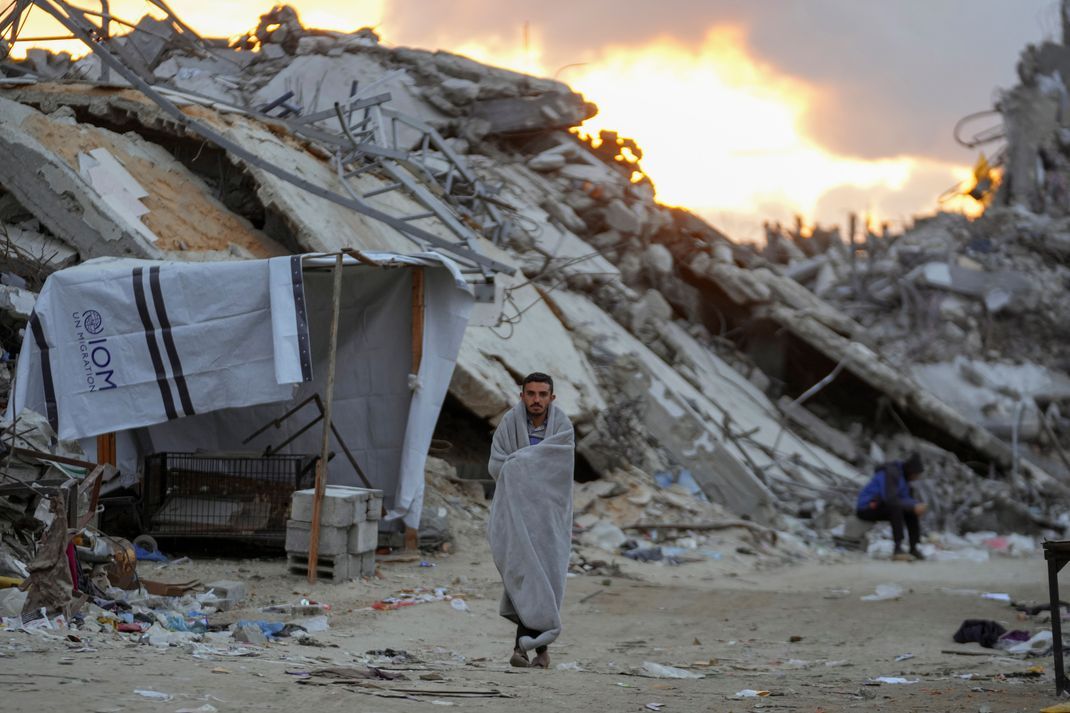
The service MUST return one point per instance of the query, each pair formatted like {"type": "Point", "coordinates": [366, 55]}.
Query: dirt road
{"type": "Point", "coordinates": [800, 632]}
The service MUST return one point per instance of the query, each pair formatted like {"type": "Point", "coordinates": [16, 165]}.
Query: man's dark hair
{"type": "Point", "coordinates": [913, 465]}
{"type": "Point", "coordinates": [540, 378]}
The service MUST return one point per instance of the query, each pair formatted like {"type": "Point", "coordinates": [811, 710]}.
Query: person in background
{"type": "Point", "coordinates": [888, 497]}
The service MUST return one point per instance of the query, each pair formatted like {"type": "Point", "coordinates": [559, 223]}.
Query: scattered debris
{"type": "Point", "coordinates": [750, 693]}
{"type": "Point", "coordinates": [658, 670]}
{"type": "Point", "coordinates": [883, 592]}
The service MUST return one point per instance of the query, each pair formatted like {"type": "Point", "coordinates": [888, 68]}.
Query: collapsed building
{"type": "Point", "coordinates": [775, 376]}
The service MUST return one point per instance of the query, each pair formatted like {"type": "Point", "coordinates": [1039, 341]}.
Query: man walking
{"type": "Point", "coordinates": [887, 496]}
{"type": "Point", "coordinates": [532, 458]}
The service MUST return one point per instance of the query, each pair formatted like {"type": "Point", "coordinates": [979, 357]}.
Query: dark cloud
{"type": "Point", "coordinates": [893, 77]}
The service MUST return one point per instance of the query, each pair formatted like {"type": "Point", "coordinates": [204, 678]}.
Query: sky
{"type": "Point", "coordinates": [745, 110]}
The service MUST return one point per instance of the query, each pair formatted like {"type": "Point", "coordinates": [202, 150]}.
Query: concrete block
{"type": "Point", "coordinates": [375, 506]}
{"type": "Point", "coordinates": [367, 564]}
{"type": "Point", "coordinates": [229, 593]}
{"type": "Point", "coordinates": [337, 568]}
{"type": "Point", "coordinates": [363, 537]}
{"type": "Point", "coordinates": [332, 540]}
{"type": "Point", "coordinates": [341, 506]}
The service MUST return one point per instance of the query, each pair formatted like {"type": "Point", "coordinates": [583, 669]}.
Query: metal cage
{"type": "Point", "coordinates": [242, 496]}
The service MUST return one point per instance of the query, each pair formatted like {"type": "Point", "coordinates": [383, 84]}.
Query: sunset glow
{"type": "Point", "coordinates": [720, 132]}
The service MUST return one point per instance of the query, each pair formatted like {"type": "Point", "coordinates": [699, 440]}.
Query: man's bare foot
{"type": "Point", "coordinates": [519, 658]}
{"type": "Point", "coordinates": [541, 660]}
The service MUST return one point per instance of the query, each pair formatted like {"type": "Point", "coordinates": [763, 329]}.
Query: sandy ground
{"type": "Point", "coordinates": [725, 620]}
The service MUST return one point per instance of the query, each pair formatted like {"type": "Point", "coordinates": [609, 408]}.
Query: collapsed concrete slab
{"type": "Point", "coordinates": [493, 360]}
{"type": "Point", "coordinates": [544, 112]}
{"type": "Point", "coordinates": [55, 193]}
{"type": "Point", "coordinates": [718, 426]}
{"type": "Point", "coordinates": [945, 423]}
{"type": "Point", "coordinates": [179, 212]}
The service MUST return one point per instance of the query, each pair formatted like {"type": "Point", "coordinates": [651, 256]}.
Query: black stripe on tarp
{"type": "Point", "coordinates": [154, 348]}
{"type": "Point", "coordinates": [303, 346]}
{"type": "Point", "coordinates": [46, 372]}
{"type": "Point", "coordinates": [169, 341]}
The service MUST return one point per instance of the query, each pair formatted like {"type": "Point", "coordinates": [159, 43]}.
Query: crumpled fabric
{"type": "Point", "coordinates": [49, 585]}
{"type": "Point", "coordinates": [983, 631]}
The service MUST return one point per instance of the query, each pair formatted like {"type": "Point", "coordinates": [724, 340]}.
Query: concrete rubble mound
{"type": "Point", "coordinates": [714, 385]}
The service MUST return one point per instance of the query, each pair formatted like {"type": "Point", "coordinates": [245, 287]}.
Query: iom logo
{"type": "Point", "coordinates": [92, 321]}
{"type": "Point", "coordinates": [94, 353]}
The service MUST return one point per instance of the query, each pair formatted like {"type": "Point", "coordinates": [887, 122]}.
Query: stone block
{"type": "Point", "coordinates": [229, 593]}
{"type": "Point", "coordinates": [363, 537]}
{"type": "Point", "coordinates": [367, 564]}
{"type": "Point", "coordinates": [460, 91]}
{"type": "Point", "coordinates": [337, 568]}
{"type": "Point", "coordinates": [332, 540]}
{"type": "Point", "coordinates": [622, 218]}
{"type": "Point", "coordinates": [375, 507]}
{"type": "Point", "coordinates": [547, 161]}
{"type": "Point", "coordinates": [342, 506]}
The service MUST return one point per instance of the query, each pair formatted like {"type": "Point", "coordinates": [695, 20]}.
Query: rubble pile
{"type": "Point", "coordinates": [775, 377]}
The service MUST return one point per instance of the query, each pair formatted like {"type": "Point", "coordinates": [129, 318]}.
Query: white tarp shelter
{"type": "Point", "coordinates": [184, 356]}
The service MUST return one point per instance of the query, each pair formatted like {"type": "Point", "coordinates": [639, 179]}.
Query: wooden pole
{"type": "Point", "coordinates": [106, 449]}
{"type": "Point", "coordinates": [417, 318]}
{"type": "Point", "coordinates": [321, 465]}
{"type": "Point", "coordinates": [412, 535]}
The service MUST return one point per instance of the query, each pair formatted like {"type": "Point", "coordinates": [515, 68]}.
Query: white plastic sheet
{"type": "Point", "coordinates": [197, 356]}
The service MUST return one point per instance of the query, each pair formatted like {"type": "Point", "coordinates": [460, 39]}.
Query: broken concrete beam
{"type": "Point", "coordinates": [48, 187]}
{"type": "Point", "coordinates": [741, 286]}
{"type": "Point", "coordinates": [803, 271]}
{"type": "Point", "coordinates": [533, 114]}
{"type": "Point", "coordinates": [820, 432]}
{"type": "Point", "coordinates": [762, 286]}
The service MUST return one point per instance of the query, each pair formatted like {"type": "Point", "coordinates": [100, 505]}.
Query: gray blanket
{"type": "Point", "coordinates": [530, 528]}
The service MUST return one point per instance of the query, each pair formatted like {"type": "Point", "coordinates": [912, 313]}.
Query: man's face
{"type": "Point", "coordinates": [537, 397]}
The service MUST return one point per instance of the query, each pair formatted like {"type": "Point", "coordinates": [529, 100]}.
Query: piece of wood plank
{"type": "Point", "coordinates": [417, 318]}
{"type": "Point", "coordinates": [106, 449]}
{"type": "Point", "coordinates": [321, 466]}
